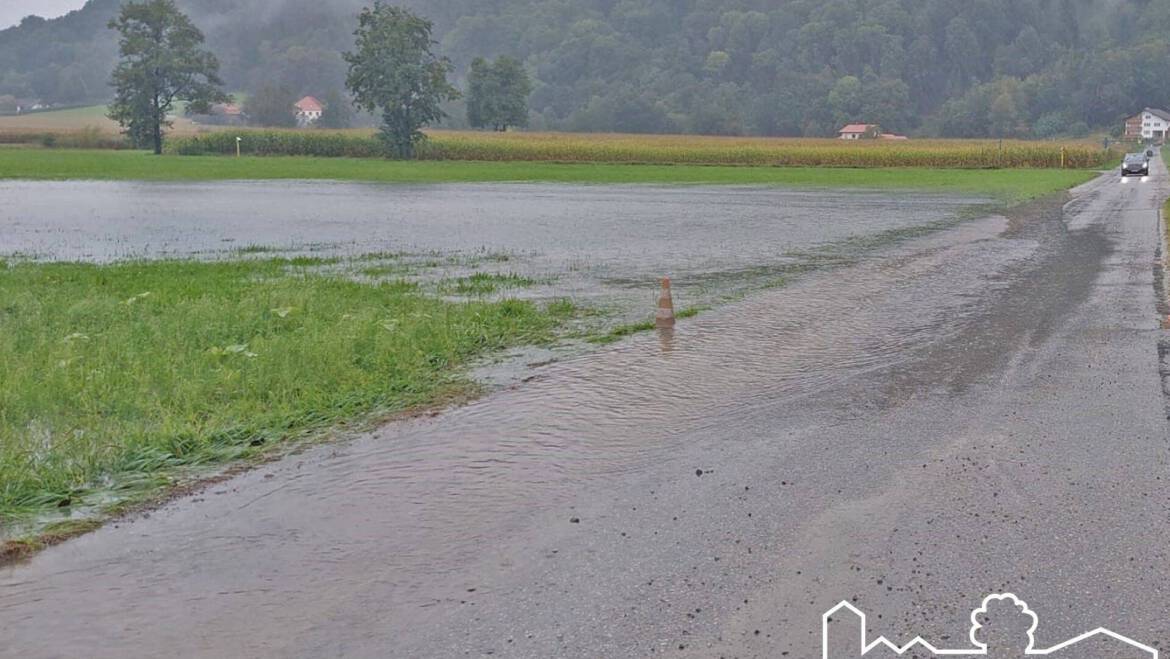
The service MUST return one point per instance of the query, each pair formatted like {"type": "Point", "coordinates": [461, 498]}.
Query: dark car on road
{"type": "Point", "coordinates": [1136, 164]}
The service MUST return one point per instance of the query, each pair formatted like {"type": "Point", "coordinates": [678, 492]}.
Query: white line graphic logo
{"type": "Point", "coordinates": [997, 614]}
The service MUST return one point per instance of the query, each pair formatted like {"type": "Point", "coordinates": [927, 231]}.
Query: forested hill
{"type": "Point", "coordinates": [775, 67]}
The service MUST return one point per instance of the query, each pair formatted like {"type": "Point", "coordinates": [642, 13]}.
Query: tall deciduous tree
{"type": "Point", "coordinates": [338, 111]}
{"type": "Point", "coordinates": [162, 62]}
{"type": "Point", "coordinates": [497, 93]}
{"type": "Point", "coordinates": [272, 106]}
{"type": "Point", "coordinates": [394, 71]}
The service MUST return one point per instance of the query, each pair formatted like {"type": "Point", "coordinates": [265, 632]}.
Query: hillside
{"type": "Point", "coordinates": [1013, 68]}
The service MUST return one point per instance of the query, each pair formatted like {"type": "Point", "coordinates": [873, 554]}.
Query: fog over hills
{"type": "Point", "coordinates": [791, 67]}
{"type": "Point", "coordinates": [11, 11]}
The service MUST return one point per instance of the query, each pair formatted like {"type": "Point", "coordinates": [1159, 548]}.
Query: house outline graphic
{"type": "Point", "coordinates": [979, 649]}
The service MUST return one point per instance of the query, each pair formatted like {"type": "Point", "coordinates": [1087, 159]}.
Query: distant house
{"type": "Point", "coordinates": [221, 114]}
{"type": "Point", "coordinates": [309, 111]}
{"type": "Point", "coordinates": [226, 110]}
{"type": "Point", "coordinates": [860, 132]}
{"type": "Point", "coordinates": [1155, 124]}
{"type": "Point", "coordinates": [1133, 127]}
{"type": "Point", "coordinates": [228, 113]}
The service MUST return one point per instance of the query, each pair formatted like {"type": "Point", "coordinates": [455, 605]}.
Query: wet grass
{"type": "Point", "coordinates": [257, 249]}
{"type": "Point", "coordinates": [118, 377]}
{"type": "Point", "coordinates": [622, 331]}
{"type": "Point", "coordinates": [51, 534]}
{"type": "Point", "coordinates": [1011, 185]}
{"type": "Point", "coordinates": [388, 270]}
{"type": "Point", "coordinates": [484, 283]}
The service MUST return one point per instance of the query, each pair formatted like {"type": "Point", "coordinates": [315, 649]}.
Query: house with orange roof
{"type": "Point", "coordinates": [309, 111]}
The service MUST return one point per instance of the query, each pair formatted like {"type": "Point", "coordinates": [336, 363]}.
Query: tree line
{"type": "Point", "coordinates": [1012, 68]}
{"type": "Point", "coordinates": [393, 72]}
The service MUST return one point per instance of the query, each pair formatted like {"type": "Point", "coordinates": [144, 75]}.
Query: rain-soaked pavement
{"type": "Point", "coordinates": [968, 412]}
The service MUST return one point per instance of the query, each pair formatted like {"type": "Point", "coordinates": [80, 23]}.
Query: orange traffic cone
{"type": "Point", "coordinates": [664, 317]}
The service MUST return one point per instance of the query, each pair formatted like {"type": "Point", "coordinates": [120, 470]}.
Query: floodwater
{"type": "Point", "coordinates": [350, 546]}
{"type": "Point", "coordinates": [622, 229]}
{"type": "Point", "coordinates": [356, 547]}
{"type": "Point", "coordinates": [603, 246]}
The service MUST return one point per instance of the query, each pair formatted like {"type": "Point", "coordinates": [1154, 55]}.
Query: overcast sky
{"type": "Point", "coordinates": [11, 11]}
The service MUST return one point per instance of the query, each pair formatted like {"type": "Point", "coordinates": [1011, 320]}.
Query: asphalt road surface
{"type": "Point", "coordinates": [977, 411]}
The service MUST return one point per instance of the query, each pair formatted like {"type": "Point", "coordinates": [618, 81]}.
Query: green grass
{"type": "Point", "coordinates": [483, 283]}
{"type": "Point", "coordinates": [118, 376]}
{"type": "Point", "coordinates": [1001, 184]}
{"type": "Point", "coordinates": [73, 119]}
{"type": "Point", "coordinates": [622, 331]}
{"type": "Point", "coordinates": [82, 116]}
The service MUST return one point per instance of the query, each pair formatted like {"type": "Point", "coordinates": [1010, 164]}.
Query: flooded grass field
{"type": "Point", "coordinates": [108, 281]}
{"type": "Point", "coordinates": [601, 246]}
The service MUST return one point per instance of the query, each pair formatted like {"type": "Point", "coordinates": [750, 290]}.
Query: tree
{"type": "Point", "coordinates": [338, 111]}
{"type": "Point", "coordinates": [1088, 61]}
{"type": "Point", "coordinates": [497, 94]}
{"type": "Point", "coordinates": [161, 63]}
{"type": "Point", "coordinates": [272, 106]}
{"type": "Point", "coordinates": [846, 100]}
{"type": "Point", "coordinates": [394, 71]}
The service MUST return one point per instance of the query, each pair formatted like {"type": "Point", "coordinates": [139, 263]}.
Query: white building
{"type": "Point", "coordinates": [860, 132]}
{"type": "Point", "coordinates": [1155, 124]}
{"type": "Point", "coordinates": [309, 111]}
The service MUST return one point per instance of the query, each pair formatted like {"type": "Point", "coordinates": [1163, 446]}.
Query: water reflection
{"type": "Point", "coordinates": [666, 339]}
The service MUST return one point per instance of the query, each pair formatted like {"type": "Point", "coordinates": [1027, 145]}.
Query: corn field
{"type": "Point", "coordinates": [652, 149]}
{"type": "Point", "coordinates": [645, 149]}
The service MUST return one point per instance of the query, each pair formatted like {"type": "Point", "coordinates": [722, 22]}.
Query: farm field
{"type": "Point", "coordinates": [67, 164]}
{"type": "Point", "coordinates": [74, 127]}
{"type": "Point", "coordinates": [91, 117]}
{"type": "Point", "coordinates": [662, 149]}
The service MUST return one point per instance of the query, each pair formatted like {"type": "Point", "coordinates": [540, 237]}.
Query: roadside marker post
{"type": "Point", "coordinates": [664, 316]}
{"type": "Point", "coordinates": [238, 140]}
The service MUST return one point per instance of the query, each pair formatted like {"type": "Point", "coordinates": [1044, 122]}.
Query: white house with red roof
{"type": "Point", "coordinates": [309, 111]}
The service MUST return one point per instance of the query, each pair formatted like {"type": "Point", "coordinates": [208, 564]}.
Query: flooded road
{"type": "Point", "coordinates": [976, 410]}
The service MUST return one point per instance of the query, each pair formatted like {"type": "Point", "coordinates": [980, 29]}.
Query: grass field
{"type": "Point", "coordinates": [75, 119]}
{"type": "Point", "coordinates": [65, 164]}
{"type": "Point", "coordinates": [116, 376]}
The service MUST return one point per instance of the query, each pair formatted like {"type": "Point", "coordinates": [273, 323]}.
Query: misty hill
{"type": "Point", "coordinates": [775, 67]}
